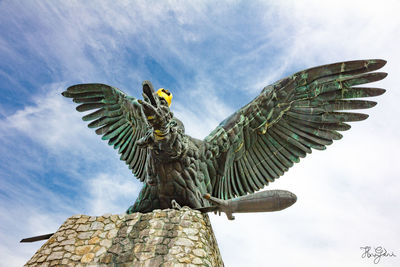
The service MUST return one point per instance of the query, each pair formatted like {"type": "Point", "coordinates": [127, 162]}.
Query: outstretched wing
{"type": "Point", "coordinates": [117, 117]}
{"type": "Point", "coordinates": [262, 140]}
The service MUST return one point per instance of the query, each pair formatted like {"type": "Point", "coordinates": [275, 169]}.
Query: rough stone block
{"type": "Point", "coordinates": [159, 238]}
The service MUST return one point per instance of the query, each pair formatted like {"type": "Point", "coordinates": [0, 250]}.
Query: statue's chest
{"type": "Point", "coordinates": [181, 180]}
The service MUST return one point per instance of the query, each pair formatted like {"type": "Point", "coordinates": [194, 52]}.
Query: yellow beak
{"type": "Point", "coordinates": [166, 95]}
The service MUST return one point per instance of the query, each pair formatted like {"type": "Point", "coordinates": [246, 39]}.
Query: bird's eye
{"type": "Point", "coordinates": [162, 99]}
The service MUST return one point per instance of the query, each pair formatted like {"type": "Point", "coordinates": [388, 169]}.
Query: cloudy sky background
{"type": "Point", "coordinates": [215, 57]}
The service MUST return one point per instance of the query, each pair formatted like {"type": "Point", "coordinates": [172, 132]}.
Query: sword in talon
{"type": "Point", "coordinates": [264, 201]}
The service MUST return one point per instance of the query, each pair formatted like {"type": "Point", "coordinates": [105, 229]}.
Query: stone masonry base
{"type": "Point", "coordinates": [159, 238]}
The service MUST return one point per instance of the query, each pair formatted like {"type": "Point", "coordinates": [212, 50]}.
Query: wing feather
{"type": "Point", "coordinates": [261, 141]}
{"type": "Point", "coordinates": [252, 169]}
{"type": "Point", "coordinates": [265, 159]}
{"type": "Point", "coordinates": [254, 164]}
{"type": "Point", "coordinates": [115, 116]}
{"type": "Point", "coordinates": [232, 181]}
{"type": "Point", "coordinates": [244, 178]}
{"type": "Point", "coordinates": [115, 141]}
{"type": "Point", "coordinates": [242, 190]}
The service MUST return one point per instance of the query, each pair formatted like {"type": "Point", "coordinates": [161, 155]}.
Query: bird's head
{"type": "Point", "coordinates": [167, 95]}
{"type": "Point", "coordinates": [151, 95]}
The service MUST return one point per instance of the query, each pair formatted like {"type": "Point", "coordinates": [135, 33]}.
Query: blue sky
{"type": "Point", "coordinates": [215, 57]}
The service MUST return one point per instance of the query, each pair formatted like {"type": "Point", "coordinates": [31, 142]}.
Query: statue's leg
{"type": "Point", "coordinates": [147, 201]}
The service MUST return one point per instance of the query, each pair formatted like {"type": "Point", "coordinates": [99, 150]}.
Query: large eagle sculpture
{"type": "Point", "coordinates": [251, 148]}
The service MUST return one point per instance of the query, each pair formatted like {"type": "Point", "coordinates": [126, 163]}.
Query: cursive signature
{"type": "Point", "coordinates": [375, 253]}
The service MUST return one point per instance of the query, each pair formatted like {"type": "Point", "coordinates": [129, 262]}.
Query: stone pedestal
{"type": "Point", "coordinates": [159, 238]}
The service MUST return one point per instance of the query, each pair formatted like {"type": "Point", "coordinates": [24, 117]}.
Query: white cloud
{"type": "Point", "coordinates": [33, 204]}
{"type": "Point", "coordinates": [108, 193]}
{"type": "Point", "coordinates": [339, 208]}
{"type": "Point", "coordinates": [20, 221]}
{"type": "Point", "coordinates": [200, 109]}
{"type": "Point", "coordinates": [347, 195]}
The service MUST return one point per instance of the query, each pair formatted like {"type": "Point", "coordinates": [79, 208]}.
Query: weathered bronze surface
{"type": "Point", "coordinates": [264, 201]}
{"type": "Point", "coordinates": [248, 150]}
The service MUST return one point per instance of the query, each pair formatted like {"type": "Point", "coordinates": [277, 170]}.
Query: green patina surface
{"type": "Point", "coordinates": [251, 148]}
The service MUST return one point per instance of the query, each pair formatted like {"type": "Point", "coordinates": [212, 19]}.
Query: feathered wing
{"type": "Point", "coordinates": [262, 140]}
{"type": "Point", "coordinates": [117, 117]}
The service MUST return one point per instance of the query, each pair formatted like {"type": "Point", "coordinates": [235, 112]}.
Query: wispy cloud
{"type": "Point", "coordinates": [108, 193]}
{"type": "Point", "coordinates": [215, 57]}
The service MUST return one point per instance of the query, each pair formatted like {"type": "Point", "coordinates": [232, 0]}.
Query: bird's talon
{"type": "Point", "coordinates": [175, 205]}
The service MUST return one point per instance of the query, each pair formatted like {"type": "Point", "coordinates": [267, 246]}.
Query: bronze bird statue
{"type": "Point", "coordinates": [251, 148]}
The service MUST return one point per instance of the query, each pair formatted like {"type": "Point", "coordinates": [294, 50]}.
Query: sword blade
{"type": "Point", "coordinates": [36, 238]}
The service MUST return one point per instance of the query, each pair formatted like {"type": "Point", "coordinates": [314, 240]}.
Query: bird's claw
{"type": "Point", "coordinates": [223, 206]}
{"type": "Point", "coordinates": [146, 141]}
{"type": "Point", "coordinates": [175, 205]}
